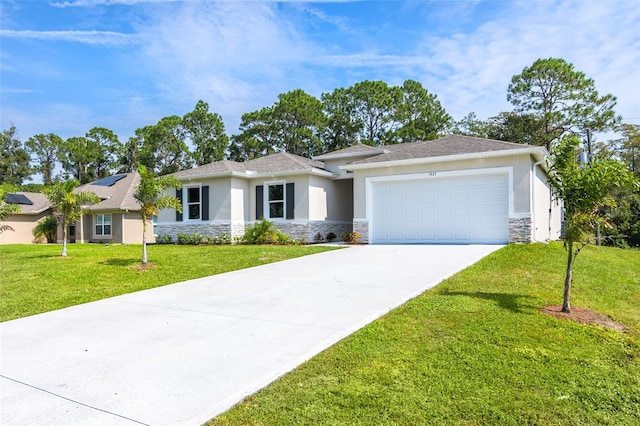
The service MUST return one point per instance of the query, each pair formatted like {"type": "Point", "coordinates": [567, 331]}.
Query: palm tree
{"type": "Point", "coordinates": [151, 197]}
{"type": "Point", "coordinates": [69, 204]}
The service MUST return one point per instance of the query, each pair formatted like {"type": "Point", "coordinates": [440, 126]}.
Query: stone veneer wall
{"type": "Point", "coordinates": [520, 230]}
{"type": "Point", "coordinates": [297, 230]}
{"type": "Point", "coordinates": [363, 229]}
{"type": "Point", "coordinates": [309, 230]}
{"type": "Point", "coordinates": [206, 229]}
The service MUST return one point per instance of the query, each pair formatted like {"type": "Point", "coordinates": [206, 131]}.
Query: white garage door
{"type": "Point", "coordinates": [459, 209]}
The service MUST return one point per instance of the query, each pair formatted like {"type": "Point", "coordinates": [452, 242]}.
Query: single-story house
{"type": "Point", "coordinates": [456, 189]}
{"type": "Point", "coordinates": [33, 208]}
{"type": "Point", "coordinates": [116, 218]}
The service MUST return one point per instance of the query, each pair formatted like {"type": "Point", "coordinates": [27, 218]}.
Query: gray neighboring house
{"type": "Point", "coordinates": [456, 189]}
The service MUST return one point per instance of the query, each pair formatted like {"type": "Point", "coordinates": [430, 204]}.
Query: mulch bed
{"type": "Point", "coordinates": [583, 316]}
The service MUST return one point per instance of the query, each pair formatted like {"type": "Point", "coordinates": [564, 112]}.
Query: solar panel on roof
{"type": "Point", "coordinates": [109, 180]}
{"type": "Point", "coordinates": [17, 199]}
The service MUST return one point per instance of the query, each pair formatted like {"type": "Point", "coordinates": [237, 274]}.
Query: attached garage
{"type": "Point", "coordinates": [441, 208]}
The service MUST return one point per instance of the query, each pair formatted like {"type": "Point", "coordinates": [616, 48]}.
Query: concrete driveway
{"type": "Point", "coordinates": [184, 353]}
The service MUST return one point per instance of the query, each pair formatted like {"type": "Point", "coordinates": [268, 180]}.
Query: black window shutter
{"type": "Point", "coordinates": [179, 197]}
{"type": "Point", "coordinates": [205, 203]}
{"type": "Point", "coordinates": [290, 199]}
{"type": "Point", "coordinates": [259, 202]}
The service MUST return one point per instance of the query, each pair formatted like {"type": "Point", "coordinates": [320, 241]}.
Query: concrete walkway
{"type": "Point", "coordinates": [184, 353]}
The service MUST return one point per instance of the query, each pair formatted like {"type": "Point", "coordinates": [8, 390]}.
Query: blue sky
{"type": "Point", "coordinates": [69, 65]}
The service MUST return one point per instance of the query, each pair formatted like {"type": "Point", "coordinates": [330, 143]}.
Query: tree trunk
{"type": "Point", "coordinates": [566, 303]}
{"type": "Point", "coordinates": [64, 238]}
{"type": "Point", "coordinates": [144, 241]}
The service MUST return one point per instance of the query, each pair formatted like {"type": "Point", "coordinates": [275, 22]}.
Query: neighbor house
{"type": "Point", "coordinates": [455, 189]}
{"type": "Point", "coordinates": [116, 218]}
{"type": "Point", "coordinates": [33, 208]}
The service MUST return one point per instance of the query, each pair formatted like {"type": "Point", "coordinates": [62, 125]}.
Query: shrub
{"type": "Point", "coordinates": [351, 237]}
{"type": "Point", "coordinates": [284, 239]}
{"type": "Point", "coordinates": [192, 239]}
{"type": "Point", "coordinates": [318, 238]}
{"type": "Point", "coordinates": [211, 240]}
{"type": "Point", "coordinates": [163, 239]}
{"type": "Point", "coordinates": [261, 232]}
{"type": "Point", "coordinates": [46, 228]}
{"type": "Point", "coordinates": [331, 236]}
{"type": "Point", "coordinates": [225, 239]}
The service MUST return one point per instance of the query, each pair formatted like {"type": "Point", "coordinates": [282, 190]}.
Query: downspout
{"type": "Point", "coordinates": [533, 201]}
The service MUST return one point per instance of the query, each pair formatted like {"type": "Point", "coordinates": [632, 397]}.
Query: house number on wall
{"type": "Point", "coordinates": [432, 173]}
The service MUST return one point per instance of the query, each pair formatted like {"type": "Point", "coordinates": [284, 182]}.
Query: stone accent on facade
{"type": "Point", "coordinates": [362, 227]}
{"type": "Point", "coordinates": [309, 230]}
{"type": "Point", "coordinates": [297, 230]}
{"type": "Point", "coordinates": [519, 230]}
{"type": "Point", "coordinates": [206, 229]}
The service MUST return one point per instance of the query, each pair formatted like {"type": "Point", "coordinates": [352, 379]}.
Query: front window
{"type": "Point", "coordinates": [103, 224]}
{"type": "Point", "coordinates": [193, 203]}
{"type": "Point", "coordinates": [276, 201]}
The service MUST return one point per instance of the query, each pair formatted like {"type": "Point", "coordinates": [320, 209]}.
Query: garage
{"type": "Point", "coordinates": [440, 208]}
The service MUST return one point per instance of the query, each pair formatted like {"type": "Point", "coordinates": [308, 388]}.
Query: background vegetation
{"type": "Point", "coordinates": [550, 99]}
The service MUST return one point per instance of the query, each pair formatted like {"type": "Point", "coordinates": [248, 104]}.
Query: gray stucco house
{"type": "Point", "coordinates": [456, 189]}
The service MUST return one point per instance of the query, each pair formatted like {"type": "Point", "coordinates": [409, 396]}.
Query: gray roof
{"type": "Point", "coordinates": [351, 151]}
{"type": "Point", "coordinates": [282, 162]}
{"type": "Point", "coordinates": [39, 200]}
{"type": "Point", "coordinates": [118, 196]}
{"type": "Point", "coordinates": [213, 168]}
{"type": "Point", "coordinates": [273, 163]}
{"type": "Point", "coordinates": [446, 146]}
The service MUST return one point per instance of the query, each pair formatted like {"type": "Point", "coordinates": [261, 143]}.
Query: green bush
{"type": "Point", "coordinates": [190, 239]}
{"type": "Point", "coordinates": [46, 228]}
{"type": "Point", "coordinates": [163, 239]}
{"type": "Point", "coordinates": [284, 239]}
{"type": "Point", "coordinates": [261, 232]}
{"type": "Point", "coordinates": [331, 236]}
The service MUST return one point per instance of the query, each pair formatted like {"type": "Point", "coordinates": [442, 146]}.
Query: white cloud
{"type": "Point", "coordinates": [91, 3]}
{"type": "Point", "coordinates": [86, 37]}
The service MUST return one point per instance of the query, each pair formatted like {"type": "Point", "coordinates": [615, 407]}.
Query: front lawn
{"type": "Point", "coordinates": [35, 278]}
{"type": "Point", "coordinates": [476, 350]}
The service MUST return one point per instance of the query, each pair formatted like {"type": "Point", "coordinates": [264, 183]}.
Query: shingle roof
{"type": "Point", "coordinates": [282, 162]}
{"type": "Point", "coordinates": [448, 145]}
{"type": "Point", "coordinates": [39, 200]}
{"type": "Point", "coordinates": [273, 163]}
{"type": "Point", "coordinates": [119, 196]}
{"type": "Point", "coordinates": [213, 168]}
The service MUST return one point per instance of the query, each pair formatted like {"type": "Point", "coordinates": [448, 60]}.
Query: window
{"type": "Point", "coordinates": [103, 224]}
{"type": "Point", "coordinates": [193, 203]}
{"type": "Point", "coordinates": [276, 201]}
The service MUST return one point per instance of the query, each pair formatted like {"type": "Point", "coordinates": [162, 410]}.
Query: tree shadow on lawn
{"type": "Point", "coordinates": [504, 300]}
{"type": "Point", "coordinates": [120, 262]}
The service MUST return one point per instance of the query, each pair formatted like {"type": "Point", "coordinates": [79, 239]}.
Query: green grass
{"type": "Point", "coordinates": [35, 278]}
{"type": "Point", "coordinates": [476, 350]}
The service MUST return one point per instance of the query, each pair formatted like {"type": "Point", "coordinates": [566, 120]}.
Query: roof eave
{"type": "Point", "coordinates": [212, 175]}
{"type": "Point", "coordinates": [540, 151]}
{"type": "Point", "coordinates": [314, 171]}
